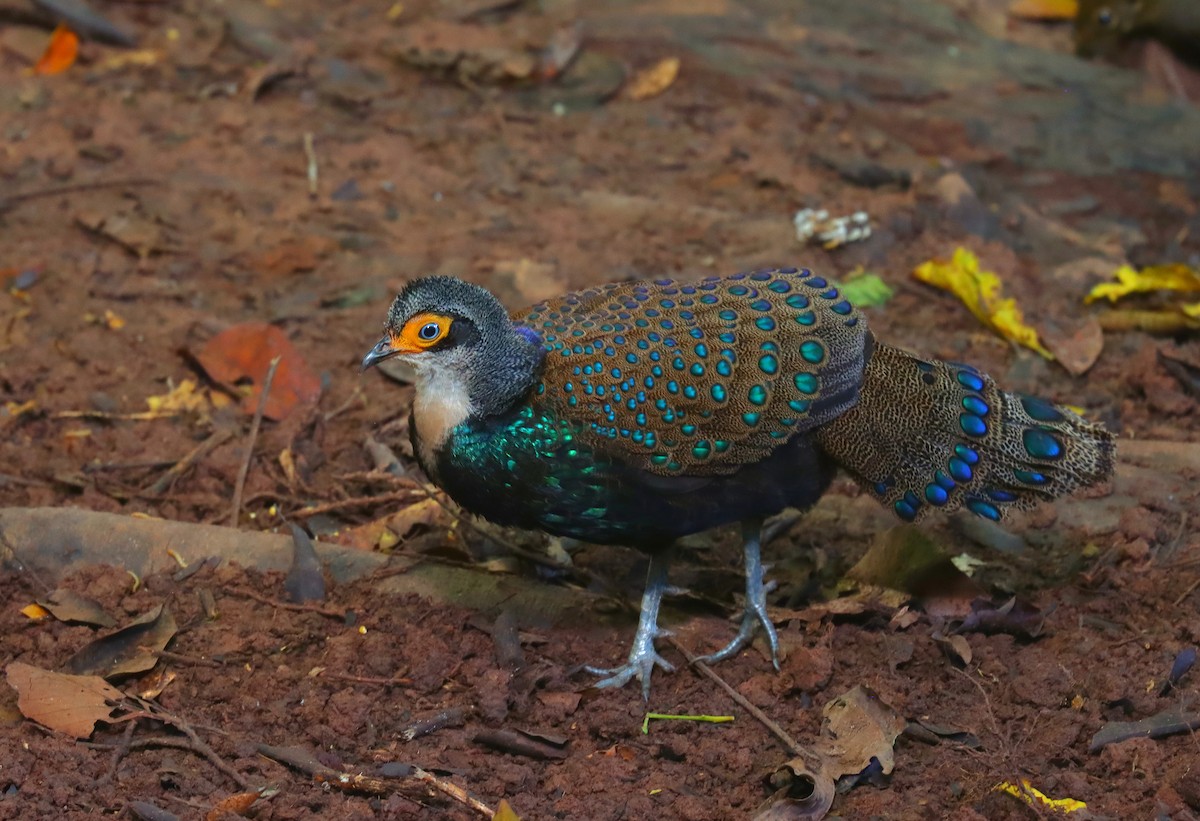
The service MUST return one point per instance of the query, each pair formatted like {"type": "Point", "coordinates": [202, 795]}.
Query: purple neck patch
{"type": "Point", "coordinates": [529, 334]}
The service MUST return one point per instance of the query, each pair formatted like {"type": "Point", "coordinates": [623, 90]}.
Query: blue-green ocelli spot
{"type": "Point", "coordinates": [806, 382]}
{"type": "Point", "coordinates": [768, 364]}
{"type": "Point", "coordinates": [701, 450]}
{"type": "Point", "coordinates": [750, 419]}
{"type": "Point", "coordinates": [1041, 443]}
{"type": "Point", "coordinates": [765, 323]}
{"type": "Point", "coordinates": [718, 393]}
{"type": "Point", "coordinates": [757, 395]}
{"type": "Point", "coordinates": [812, 351]}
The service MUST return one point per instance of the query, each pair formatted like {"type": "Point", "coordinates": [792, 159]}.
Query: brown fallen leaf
{"type": "Point", "coordinates": [64, 703]}
{"type": "Point", "coordinates": [386, 533]}
{"type": "Point", "coordinates": [68, 606]}
{"type": "Point", "coordinates": [858, 734]}
{"type": "Point", "coordinates": [236, 804]}
{"type": "Point", "coordinates": [956, 646]}
{"type": "Point", "coordinates": [858, 727]}
{"type": "Point", "coordinates": [653, 81]}
{"type": "Point", "coordinates": [132, 649]}
{"type": "Point", "coordinates": [1075, 342]}
{"type": "Point", "coordinates": [904, 558]}
{"type": "Point", "coordinates": [244, 352]}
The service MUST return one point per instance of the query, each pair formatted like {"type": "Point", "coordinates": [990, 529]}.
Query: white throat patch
{"type": "Point", "coordinates": [441, 404]}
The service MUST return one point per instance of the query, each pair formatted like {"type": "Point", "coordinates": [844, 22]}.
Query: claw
{"type": "Point", "coordinates": [643, 658]}
{"type": "Point", "coordinates": [755, 613]}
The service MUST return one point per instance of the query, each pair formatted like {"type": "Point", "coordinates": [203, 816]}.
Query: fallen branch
{"type": "Point", "coordinates": [240, 485]}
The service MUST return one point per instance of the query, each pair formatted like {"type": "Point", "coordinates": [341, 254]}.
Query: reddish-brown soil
{"type": "Point", "coordinates": [146, 206]}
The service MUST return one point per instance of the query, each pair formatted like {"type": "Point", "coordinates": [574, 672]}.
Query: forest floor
{"type": "Point", "coordinates": [296, 163]}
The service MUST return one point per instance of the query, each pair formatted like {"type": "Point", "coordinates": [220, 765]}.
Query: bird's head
{"type": "Point", "coordinates": [457, 336]}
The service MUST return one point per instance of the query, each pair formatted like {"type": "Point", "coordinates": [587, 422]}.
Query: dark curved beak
{"type": "Point", "coordinates": [383, 350]}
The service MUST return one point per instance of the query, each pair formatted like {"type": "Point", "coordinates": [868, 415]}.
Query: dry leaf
{"type": "Point", "coordinates": [1036, 798]}
{"type": "Point", "coordinates": [1046, 10]}
{"type": "Point", "coordinates": [859, 727]}
{"type": "Point", "coordinates": [182, 398]}
{"type": "Point", "coordinates": [903, 558]}
{"type": "Point", "coordinates": [244, 352]}
{"type": "Point", "coordinates": [132, 649]}
{"type": "Point", "coordinates": [388, 531]}
{"type": "Point", "coordinates": [35, 612]}
{"type": "Point", "coordinates": [68, 606]}
{"type": "Point", "coordinates": [64, 703]}
{"type": "Point", "coordinates": [654, 80]}
{"type": "Point", "coordinates": [1176, 277]}
{"type": "Point", "coordinates": [504, 812]}
{"type": "Point", "coordinates": [236, 804]}
{"type": "Point", "coordinates": [980, 292]}
{"type": "Point", "coordinates": [60, 52]}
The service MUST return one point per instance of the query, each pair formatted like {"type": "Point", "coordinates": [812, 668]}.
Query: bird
{"type": "Point", "coordinates": [1101, 25]}
{"type": "Point", "coordinates": [636, 413]}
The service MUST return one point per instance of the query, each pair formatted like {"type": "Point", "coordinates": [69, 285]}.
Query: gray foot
{"type": "Point", "coordinates": [755, 614]}
{"type": "Point", "coordinates": [643, 658]}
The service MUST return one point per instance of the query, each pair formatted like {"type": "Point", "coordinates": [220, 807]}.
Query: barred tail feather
{"type": "Point", "coordinates": [930, 435]}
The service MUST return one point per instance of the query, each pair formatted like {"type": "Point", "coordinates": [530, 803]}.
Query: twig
{"type": "Point", "coordinates": [119, 752]}
{"type": "Point", "coordinates": [302, 760]}
{"type": "Point", "coordinates": [240, 485]}
{"type": "Point", "coordinates": [357, 501]}
{"type": "Point", "coordinates": [788, 742]}
{"type": "Point", "coordinates": [356, 396]}
{"type": "Point", "coordinates": [394, 681]}
{"type": "Point", "coordinates": [194, 742]}
{"type": "Point", "coordinates": [310, 154]}
{"type": "Point", "coordinates": [168, 479]}
{"type": "Point", "coordinates": [54, 191]}
{"type": "Point", "coordinates": [282, 605]}
{"type": "Point", "coordinates": [1186, 593]}
{"type": "Point", "coordinates": [180, 658]}
{"type": "Point", "coordinates": [454, 791]}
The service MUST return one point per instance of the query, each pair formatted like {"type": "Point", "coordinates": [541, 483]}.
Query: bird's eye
{"type": "Point", "coordinates": [1104, 17]}
{"type": "Point", "coordinates": [430, 331]}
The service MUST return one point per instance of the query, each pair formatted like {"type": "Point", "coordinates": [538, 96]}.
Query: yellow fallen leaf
{"type": "Point", "coordinates": [1031, 796]}
{"type": "Point", "coordinates": [1175, 277]}
{"type": "Point", "coordinates": [34, 612]}
{"type": "Point", "coordinates": [1044, 9]}
{"type": "Point", "coordinates": [505, 812]}
{"type": "Point", "coordinates": [654, 80]}
{"type": "Point", "coordinates": [1192, 310]}
{"type": "Point", "coordinates": [182, 398]}
{"type": "Point", "coordinates": [980, 292]}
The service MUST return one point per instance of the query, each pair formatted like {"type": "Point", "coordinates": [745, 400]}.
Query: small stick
{"type": "Point", "coordinates": [1186, 593]}
{"type": "Point", "coordinates": [168, 479]}
{"type": "Point", "coordinates": [357, 501]}
{"type": "Point", "coordinates": [180, 658]}
{"type": "Point", "coordinates": [119, 752]}
{"type": "Point", "coordinates": [454, 791]}
{"type": "Point", "coordinates": [54, 191]}
{"type": "Point", "coordinates": [193, 741]}
{"type": "Point", "coordinates": [394, 681]}
{"type": "Point", "coordinates": [282, 605]}
{"type": "Point", "coordinates": [310, 153]}
{"type": "Point", "coordinates": [240, 485]}
{"type": "Point", "coordinates": [788, 742]}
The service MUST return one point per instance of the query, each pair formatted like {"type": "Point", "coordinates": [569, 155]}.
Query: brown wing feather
{"type": "Point", "coordinates": [700, 378]}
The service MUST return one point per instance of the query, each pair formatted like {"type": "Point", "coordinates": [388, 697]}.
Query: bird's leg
{"type": "Point", "coordinates": [642, 656]}
{"type": "Point", "coordinates": [755, 613]}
